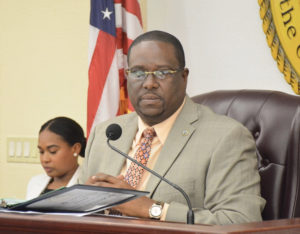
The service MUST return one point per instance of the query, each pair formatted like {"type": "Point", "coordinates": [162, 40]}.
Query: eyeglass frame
{"type": "Point", "coordinates": [146, 73]}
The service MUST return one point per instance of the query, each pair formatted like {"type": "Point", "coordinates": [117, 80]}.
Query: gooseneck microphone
{"type": "Point", "coordinates": [113, 132]}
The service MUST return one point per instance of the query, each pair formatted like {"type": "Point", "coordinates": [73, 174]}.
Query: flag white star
{"type": "Point", "coordinates": [106, 13]}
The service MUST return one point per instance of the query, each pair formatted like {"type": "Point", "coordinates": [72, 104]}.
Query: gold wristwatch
{"type": "Point", "coordinates": [155, 210]}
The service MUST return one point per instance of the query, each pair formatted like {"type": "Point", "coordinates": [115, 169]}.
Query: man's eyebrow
{"type": "Point", "coordinates": [137, 67]}
{"type": "Point", "coordinates": [166, 66]}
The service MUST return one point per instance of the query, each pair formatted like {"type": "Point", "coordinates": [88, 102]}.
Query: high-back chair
{"type": "Point", "coordinates": [273, 118]}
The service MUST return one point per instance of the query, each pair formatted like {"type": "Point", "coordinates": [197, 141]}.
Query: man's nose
{"type": "Point", "coordinates": [150, 82]}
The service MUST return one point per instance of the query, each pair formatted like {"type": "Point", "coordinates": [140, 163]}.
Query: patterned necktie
{"type": "Point", "coordinates": [135, 172]}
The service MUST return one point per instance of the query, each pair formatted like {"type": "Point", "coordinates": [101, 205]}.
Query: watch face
{"type": "Point", "coordinates": [156, 211]}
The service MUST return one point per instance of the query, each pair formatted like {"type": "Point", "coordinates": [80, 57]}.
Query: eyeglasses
{"type": "Point", "coordinates": [142, 75]}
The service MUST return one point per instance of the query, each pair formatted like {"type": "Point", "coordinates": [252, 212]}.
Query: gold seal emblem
{"type": "Point", "coordinates": [281, 24]}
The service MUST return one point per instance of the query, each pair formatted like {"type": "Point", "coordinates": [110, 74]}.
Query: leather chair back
{"type": "Point", "coordinates": [273, 118]}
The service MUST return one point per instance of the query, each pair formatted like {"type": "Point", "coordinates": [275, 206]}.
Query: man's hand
{"type": "Point", "coordinates": [138, 207]}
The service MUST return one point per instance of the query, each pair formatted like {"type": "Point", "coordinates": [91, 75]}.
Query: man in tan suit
{"type": "Point", "coordinates": [211, 157]}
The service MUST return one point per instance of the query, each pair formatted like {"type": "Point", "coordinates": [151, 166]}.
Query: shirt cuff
{"type": "Point", "coordinates": [164, 212]}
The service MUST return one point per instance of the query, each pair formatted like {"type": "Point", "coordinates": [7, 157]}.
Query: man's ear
{"type": "Point", "coordinates": [185, 74]}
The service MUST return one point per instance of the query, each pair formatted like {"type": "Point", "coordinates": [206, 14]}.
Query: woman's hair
{"type": "Point", "coordinates": [68, 129]}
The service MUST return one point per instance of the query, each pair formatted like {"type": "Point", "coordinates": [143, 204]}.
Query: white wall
{"type": "Point", "coordinates": [224, 43]}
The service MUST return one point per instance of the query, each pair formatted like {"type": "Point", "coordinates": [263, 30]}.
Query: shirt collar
{"type": "Point", "coordinates": [162, 129]}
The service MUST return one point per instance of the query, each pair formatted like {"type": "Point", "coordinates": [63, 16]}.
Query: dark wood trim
{"type": "Point", "coordinates": [42, 223]}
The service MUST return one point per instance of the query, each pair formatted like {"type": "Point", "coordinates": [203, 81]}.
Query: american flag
{"type": "Point", "coordinates": [114, 24]}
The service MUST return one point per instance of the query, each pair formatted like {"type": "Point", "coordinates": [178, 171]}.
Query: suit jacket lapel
{"type": "Point", "coordinates": [180, 133]}
{"type": "Point", "coordinates": [116, 161]}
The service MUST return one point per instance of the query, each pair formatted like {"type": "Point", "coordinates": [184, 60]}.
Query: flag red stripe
{"type": "Point", "coordinates": [123, 42]}
{"type": "Point", "coordinates": [131, 6]}
{"type": "Point", "coordinates": [98, 71]}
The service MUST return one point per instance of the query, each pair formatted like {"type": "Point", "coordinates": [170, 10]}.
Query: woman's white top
{"type": "Point", "coordinates": [38, 183]}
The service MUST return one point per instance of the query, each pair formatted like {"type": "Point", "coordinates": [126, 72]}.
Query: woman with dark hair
{"type": "Point", "coordinates": [61, 141]}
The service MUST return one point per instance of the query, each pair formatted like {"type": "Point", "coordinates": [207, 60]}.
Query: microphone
{"type": "Point", "coordinates": [113, 132]}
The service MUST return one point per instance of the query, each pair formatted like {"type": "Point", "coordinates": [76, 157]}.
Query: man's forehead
{"type": "Point", "coordinates": [157, 50]}
{"type": "Point", "coordinates": [146, 43]}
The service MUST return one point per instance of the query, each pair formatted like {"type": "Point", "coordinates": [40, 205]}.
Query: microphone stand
{"type": "Point", "coordinates": [190, 214]}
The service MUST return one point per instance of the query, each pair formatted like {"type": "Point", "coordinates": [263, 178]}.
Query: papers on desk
{"type": "Point", "coordinates": [5, 202]}
{"type": "Point", "coordinates": [81, 199]}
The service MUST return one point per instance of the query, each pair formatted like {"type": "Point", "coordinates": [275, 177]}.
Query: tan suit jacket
{"type": "Point", "coordinates": [211, 157]}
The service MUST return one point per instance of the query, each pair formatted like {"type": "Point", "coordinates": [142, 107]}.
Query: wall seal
{"type": "Point", "coordinates": [281, 24]}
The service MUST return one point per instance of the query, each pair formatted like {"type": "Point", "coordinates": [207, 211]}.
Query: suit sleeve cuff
{"type": "Point", "coordinates": [164, 212]}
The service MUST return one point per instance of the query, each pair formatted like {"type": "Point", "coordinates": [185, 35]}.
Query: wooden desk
{"type": "Point", "coordinates": [20, 223]}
